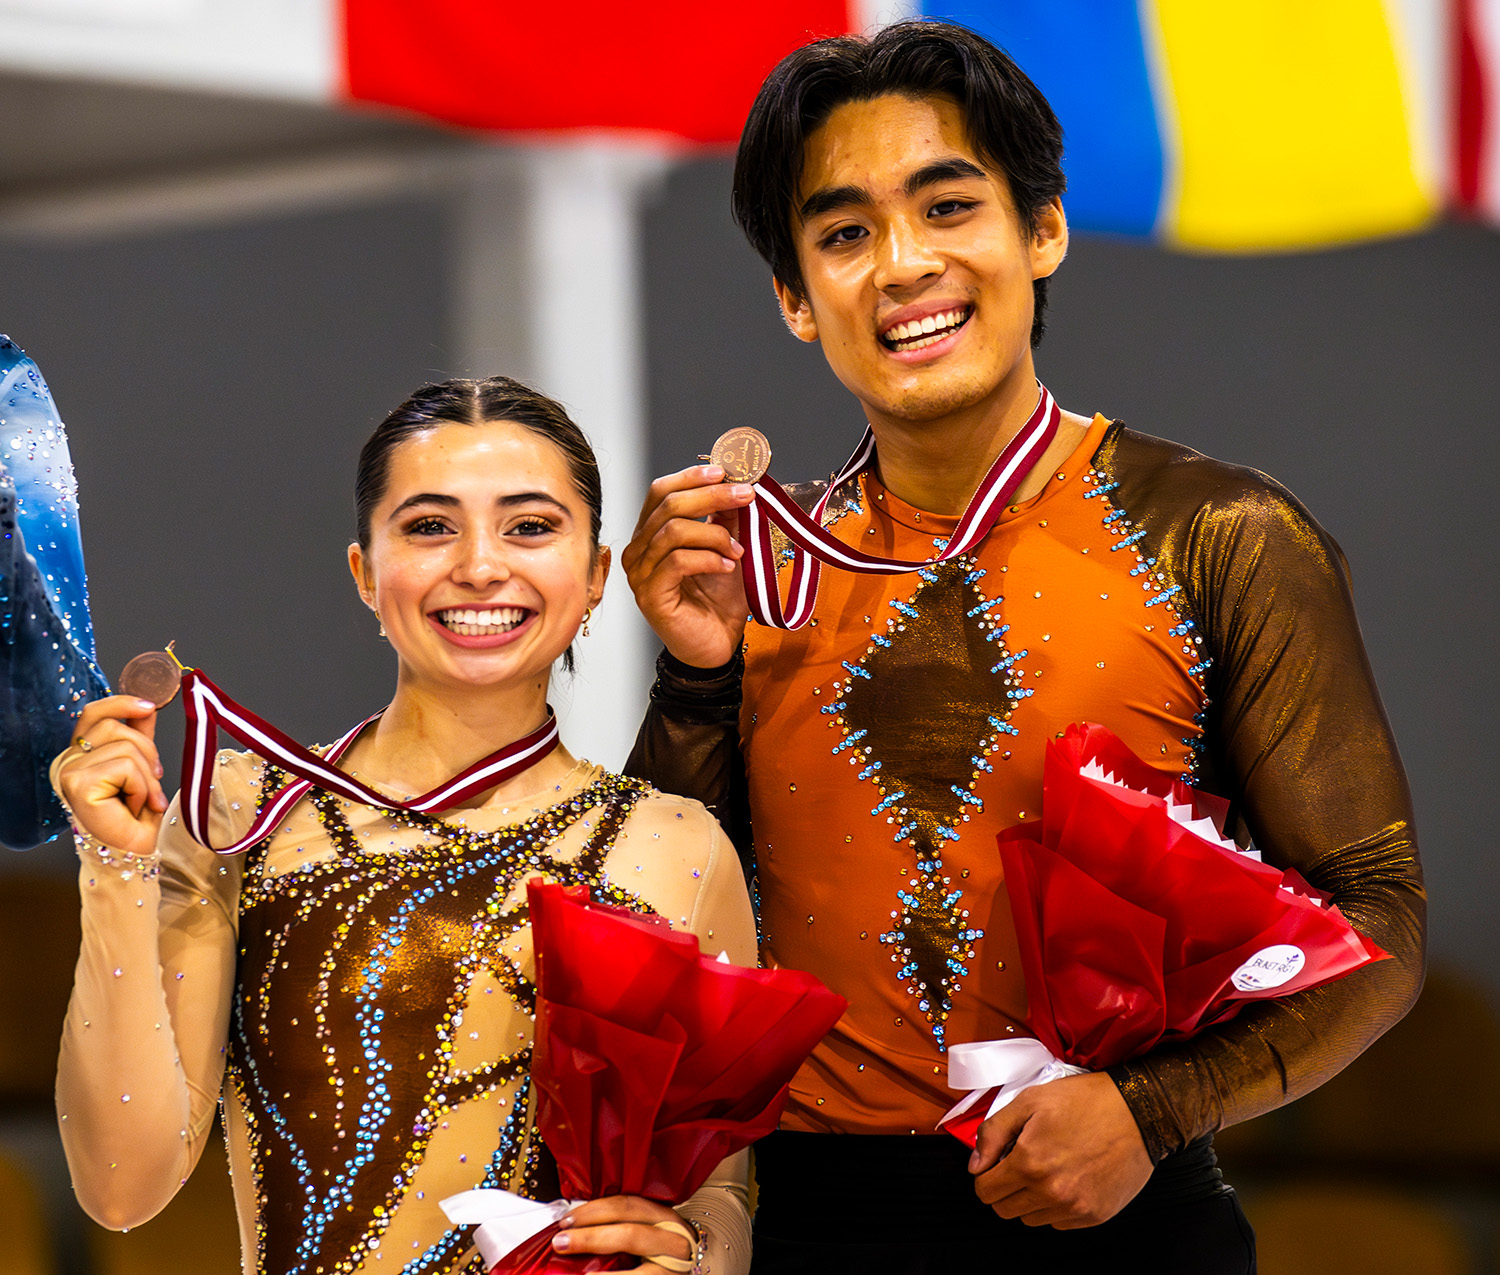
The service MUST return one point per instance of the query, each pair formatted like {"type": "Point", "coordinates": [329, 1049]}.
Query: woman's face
{"type": "Point", "coordinates": [480, 564]}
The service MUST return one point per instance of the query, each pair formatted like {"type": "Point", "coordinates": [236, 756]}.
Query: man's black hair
{"type": "Point", "coordinates": [1009, 123]}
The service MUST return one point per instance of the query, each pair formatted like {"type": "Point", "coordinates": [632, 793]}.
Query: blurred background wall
{"type": "Point", "coordinates": [228, 287]}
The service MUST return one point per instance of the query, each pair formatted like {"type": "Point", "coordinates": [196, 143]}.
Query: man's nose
{"type": "Point", "coordinates": [906, 255]}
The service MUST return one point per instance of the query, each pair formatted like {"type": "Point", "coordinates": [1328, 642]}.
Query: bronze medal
{"type": "Point", "coordinates": [155, 675]}
{"type": "Point", "coordinates": [744, 454]}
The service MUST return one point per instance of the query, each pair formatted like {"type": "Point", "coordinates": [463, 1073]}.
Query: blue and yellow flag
{"type": "Point", "coordinates": [1238, 125]}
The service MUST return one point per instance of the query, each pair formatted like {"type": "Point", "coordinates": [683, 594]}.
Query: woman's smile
{"type": "Point", "coordinates": [482, 626]}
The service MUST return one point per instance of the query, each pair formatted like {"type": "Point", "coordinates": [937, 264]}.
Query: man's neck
{"type": "Point", "coordinates": [937, 465]}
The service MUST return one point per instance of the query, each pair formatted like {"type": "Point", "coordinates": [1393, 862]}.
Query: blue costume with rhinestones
{"type": "Point", "coordinates": [48, 669]}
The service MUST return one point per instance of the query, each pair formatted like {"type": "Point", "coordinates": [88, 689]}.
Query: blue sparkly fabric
{"type": "Point", "coordinates": [48, 666]}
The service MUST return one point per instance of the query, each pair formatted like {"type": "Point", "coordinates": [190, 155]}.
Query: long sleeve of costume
{"type": "Point", "coordinates": [1298, 741]}
{"type": "Point", "coordinates": [142, 1058]}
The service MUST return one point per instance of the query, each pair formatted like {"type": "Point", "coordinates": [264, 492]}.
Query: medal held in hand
{"type": "Point", "coordinates": [153, 675]}
{"type": "Point", "coordinates": [744, 454]}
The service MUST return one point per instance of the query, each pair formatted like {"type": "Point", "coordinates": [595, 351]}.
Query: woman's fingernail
{"type": "Point", "coordinates": [159, 771]}
{"type": "Point", "coordinates": [560, 1242]}
{"type": "Point", "coordinates": [743, 490]}
{"type": "Point", "coordinates": [715, 472]}
{"type": "Point", "coordinates": [149, 705]}
{"type": "Point", "coordinates": [729, 563]}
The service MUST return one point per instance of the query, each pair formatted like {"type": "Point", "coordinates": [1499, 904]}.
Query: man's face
{"type": "Point", "coordinates": [916, 267]}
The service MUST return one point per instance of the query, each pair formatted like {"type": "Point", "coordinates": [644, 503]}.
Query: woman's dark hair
{"type": "Point", "coordinates": [1009, 123]}
{"type": "Point", "coordinates": [466, 402]}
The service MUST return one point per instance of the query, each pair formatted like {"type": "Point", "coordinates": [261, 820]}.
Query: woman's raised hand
{"type": "Point", "coordinates": [110, 776]}
{"type": "Point", "coordinates": [625, 1224]}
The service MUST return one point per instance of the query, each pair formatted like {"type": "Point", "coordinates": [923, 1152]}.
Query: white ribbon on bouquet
{"type": "Point", "coordinates": [1008, 1066]}
{"type": "Point", "coordinates": [505, 1220]}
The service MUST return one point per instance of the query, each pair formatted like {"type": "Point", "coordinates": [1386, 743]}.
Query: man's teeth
{"type": "Point", "coordinates": [923, 332]}
{"type": "Point", "coordinates": [476, 623]}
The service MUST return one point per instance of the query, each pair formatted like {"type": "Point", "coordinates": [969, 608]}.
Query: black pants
{"type": "Point", "coordinates": [830, 1204]}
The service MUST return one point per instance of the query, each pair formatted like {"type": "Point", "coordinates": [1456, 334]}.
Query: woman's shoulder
{"type": "Point", "coordinates": [238, 777]}
{"type": "Point", "coordinates": [673, 827]}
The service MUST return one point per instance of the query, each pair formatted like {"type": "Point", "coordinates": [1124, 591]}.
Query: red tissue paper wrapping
{"type": "Point", "coordinates": [652, 1062]}
{"type": "Point", "coordinates": [1137, 922]}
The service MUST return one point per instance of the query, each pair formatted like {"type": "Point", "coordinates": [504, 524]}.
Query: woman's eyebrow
{"type": "Point", "coordinates": [531, 497]}
{"type": "Point", "coordinates": [426, 498]}
{"type": "Point", "coordinates": [505, 502]}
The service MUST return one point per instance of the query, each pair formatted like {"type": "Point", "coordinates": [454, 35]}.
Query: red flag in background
{"type": "Point", "coordinates": [688, 69]}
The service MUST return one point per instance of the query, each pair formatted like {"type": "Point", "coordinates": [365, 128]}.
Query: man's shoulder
{"type": "Point", "coordinates": [1169, 475]}
{"type": "Point", "coordinates": [1194, 503]}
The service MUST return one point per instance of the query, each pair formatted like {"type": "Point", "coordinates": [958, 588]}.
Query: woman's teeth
{"type": "Point", "coordinates": [923, 332]}
{"type": "Point", "coordinates": [486, 623]}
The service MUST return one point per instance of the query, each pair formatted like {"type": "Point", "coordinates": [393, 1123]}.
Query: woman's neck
{"type": "Point", "coordinates": [427, 736]}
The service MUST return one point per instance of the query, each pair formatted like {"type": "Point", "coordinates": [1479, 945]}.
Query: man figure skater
{"type": "Point", "coordinates": [905, 192]}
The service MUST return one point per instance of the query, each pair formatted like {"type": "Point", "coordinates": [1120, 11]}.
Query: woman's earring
{"type": "Point", "coordinates": [586, 617]}
{"type": "Point", "coordinates": [379, 621]}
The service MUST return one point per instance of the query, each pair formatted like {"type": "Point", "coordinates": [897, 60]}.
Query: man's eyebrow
{"type": "Point", "coordinates": [832, 198]}
{"type": "Point", "coordinates": [943, 170]}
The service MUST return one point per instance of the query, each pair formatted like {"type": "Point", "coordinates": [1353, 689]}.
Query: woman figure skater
{"type": "Point", "coordinates": [358, 986]}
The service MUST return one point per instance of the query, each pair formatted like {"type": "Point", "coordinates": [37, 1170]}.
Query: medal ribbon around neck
{"type": "Point", "coordinates": [208, 709]}
{"type": "Point", "coordinates": [813, 545]}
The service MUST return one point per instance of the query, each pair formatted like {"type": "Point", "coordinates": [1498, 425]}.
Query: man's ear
{"type": "Point", "coordinates": [362, 581]}
{"type": "Point", "coordinates": [796, 312]}
{"type": "Point", "coordinates": [1049, 239]}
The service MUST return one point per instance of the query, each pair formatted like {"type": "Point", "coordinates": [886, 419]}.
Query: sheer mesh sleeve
{"type": "Point", "coordinates": [689, 742]}
{"type": "Point", "coordinates": [142, 1057]}
{"type": "Point", "coordinates": [1298, 741]}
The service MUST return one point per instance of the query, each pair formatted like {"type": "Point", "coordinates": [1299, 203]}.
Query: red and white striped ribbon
{"type": "Point", "coordinates": [813, 545]}
{"type": "Point", "coordinates": [208, 709]}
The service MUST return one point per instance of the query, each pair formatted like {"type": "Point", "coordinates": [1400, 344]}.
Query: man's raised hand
{"type": "Point", "coordinates": [683, 565]}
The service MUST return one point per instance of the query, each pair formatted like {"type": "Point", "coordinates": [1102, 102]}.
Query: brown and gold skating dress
{"type": "Point", "coordinates": [359, 988]}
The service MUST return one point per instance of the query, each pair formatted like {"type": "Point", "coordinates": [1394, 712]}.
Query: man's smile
{"type": "Point", "coordinates": [918, 333]}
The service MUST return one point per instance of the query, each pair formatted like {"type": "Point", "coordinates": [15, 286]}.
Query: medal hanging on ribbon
{"type": "Point", "coordinates": [208, 709]}
{"type": "Point", "coordinates": [813, 545]}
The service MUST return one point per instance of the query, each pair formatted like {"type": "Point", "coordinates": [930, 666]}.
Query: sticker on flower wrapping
{"type": "Point", "coordinates": [1270, 967]}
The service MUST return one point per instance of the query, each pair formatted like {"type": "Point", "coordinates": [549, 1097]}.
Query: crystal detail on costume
{"type": "Point", "coordinates": [339, 958]}
{"type": "Point", "coordinates": [1161, 591]}
{"type": "Point", "coordinates": [911, 723]}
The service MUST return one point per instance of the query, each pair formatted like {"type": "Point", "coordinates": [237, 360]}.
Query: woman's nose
{"type": "Point", "coordinates": [482, 560]}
